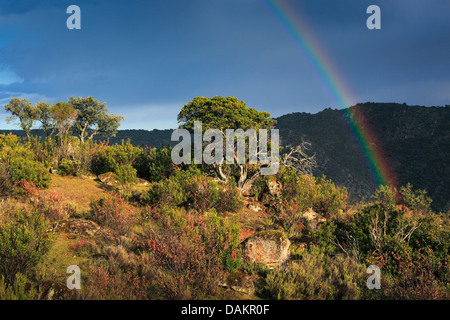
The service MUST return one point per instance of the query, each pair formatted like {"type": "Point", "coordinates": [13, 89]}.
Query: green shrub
{"type": "Point", "coordinates": [193, 191]}
{"type": "Point", "coordinates": [109, 158]}
{"type": "Point", "coordinates": [20, 290]}
{"type": "Point", "coordinates": [168, 192]}
{"type": "Point", "coordinates": [155, 164]}
{"type": "Point", "coordinates": [68, 167]}
{"type": "Point", "coordinates": [188, 253]}
{"type": "Point", "coordinates": [30, 170]}
{"type": "Point", "coordinates": [43, 149]}
{"type": "Point", "coordinates": [5, 180]}
{"type": "Point", "coordinates": [317, 276]}
{"type": "Point", "coordinates": [297, 187]}
{"type": "Point", "coordinates": [21, 162]}
{"type": "Point", "coordinates": [328, 198]}
{"type": "Point", "coordinates": [22, 241]}
{"type": "Point", "coordinates": [320, 194]}
{"type": "Point", "coordinates": [113, 212]}
{"type": "Point", "coordinates": [226, 236]}
{"type": "Point", "coordinates": [126, 174]}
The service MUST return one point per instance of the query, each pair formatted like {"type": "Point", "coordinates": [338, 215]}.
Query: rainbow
{"type": "Point", "coordinates": [304, 39]}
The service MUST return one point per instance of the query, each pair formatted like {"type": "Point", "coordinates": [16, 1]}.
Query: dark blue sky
{"type": "Point", "coordinates": [147, 58]}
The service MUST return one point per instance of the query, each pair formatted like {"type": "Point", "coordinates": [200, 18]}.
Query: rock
{"type": "Point", "coordinates": [141, 182]}
{"type": "Point", "coordinates": [108, 178]}
{"type": "Point", "coordinates": [85, 228]}
{"type": "Point", "coordinates": [240, 282]}
{"type": "Point", "coordinates": [50, 290]}
{"type": "Point", "coordinates": [274, 188]}
{"type": "Point", "coordinates": [86, 174]}
{"type": "Point", "coordinates": [313, 218]}
{"type": "Point", "coordinates": [249, 193]}
{"type": "Point", "coordinates": [77, 226]}
{"type": "Point", "coordinates": [254, 207]}
{"type": "Point", "coordinates": [267, 198]}
{"type": "Point", "coordinates": [267, 247]}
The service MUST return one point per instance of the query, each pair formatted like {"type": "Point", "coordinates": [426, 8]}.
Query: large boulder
{"type": "Point", "coordinates": [270, 248]}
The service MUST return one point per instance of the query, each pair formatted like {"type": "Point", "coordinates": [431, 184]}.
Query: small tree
{"type": "Point", "coordinates": [227, 113]}
{"type": "Point", "coordinates": [64, 117]}
{"type": "Point", "coordinates": [93, 118]}
{"type": "Point", "coordinates": [44, 116]}
{"type": "Point", "coordinates": [298, 158]}
{"type": "Point", "coordinates": [24, 111]}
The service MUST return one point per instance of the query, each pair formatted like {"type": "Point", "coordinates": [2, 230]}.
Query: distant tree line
{"type": "Point", "coordinates": [84, 117]}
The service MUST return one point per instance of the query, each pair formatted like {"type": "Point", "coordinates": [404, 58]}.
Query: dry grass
{"type": "Point", "coordinates": [54, 264]}
{"type": "Point", "coordinates": [78, 191]}
{"type": "Point", "coordinates": [251, 221]}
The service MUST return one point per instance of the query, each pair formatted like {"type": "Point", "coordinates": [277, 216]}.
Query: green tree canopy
{"type": "Point", "coordinates": [23, 111]}
{"type": "Point", "coordinates": [93, 118]}
{"type": "Point", "coordinates": [223, 113]}
{"type": "Point", "coordinates": [64, 117]}
{"type": "Point", "coordinates": [44, 116]}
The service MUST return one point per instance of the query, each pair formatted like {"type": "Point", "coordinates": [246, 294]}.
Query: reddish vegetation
{"type": "Point", "coordinates": [245, 233]}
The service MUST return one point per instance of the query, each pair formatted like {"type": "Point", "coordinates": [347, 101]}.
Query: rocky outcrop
{"type": "Point", "coordinates": [313, 218]}
{"type": "Point", "coordinates": [254, 207]}
{"type": "Point", "coordinates": [274, 188]}
{"type": "Point", "coordinates": [271, 196]}
{"type": "Point", "coordinates": [84, 228]}
{"type": "Point", "coordinates": [141, 182]}
{"type": "Point", "coordinates": [239, 282]}
{"type": "Point", "coordinates": [85, 174]}
{"type": "Point", "coordinates": [108, 178]}
{"type": "Point", "coordinates": [270, 248]}
{"type": "Point", "coordinates": [53, 290]}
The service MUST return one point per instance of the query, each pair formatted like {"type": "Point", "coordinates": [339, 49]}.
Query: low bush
{"type": "Point", "coordinates": [328, 198]}
{"type": "Point", "coordinates": [194, 191]}
{"type": "Point", "coordinates": [126, 174]}
{"type": "Point", "coordinates": [20, 290]}
{"type": "Point", "coordinates": [51, 205]}
{"type": "Point", "coordinates": [22, 241]}
{"type": "Point", "coordinates": [109, 158]}
{"type": "Point", "coordinates": [114, 212]}
{"type": "Point", "coordinates": [22, 163]}
{"type": "Point", "coordinates": [193, 252]}
{"type": "Point", "coordinates": [317, 276]}
{"type": "Point", "coordinates": [110, 284]}
{"type": "Point", "coordinates": [290, 218]}
{"type": "Point", "coordinates": [155, 164]}
{"type": "Point", "coordinates": [413, 276]}
{"type": "Point", "coordinates": [5, 180]}
{"type": "Point", "coordinates": [320, 194]}
{"type": "Point", "coordinates": [68, 167]}
{"type": "Point", "coordinates": [21, 168]}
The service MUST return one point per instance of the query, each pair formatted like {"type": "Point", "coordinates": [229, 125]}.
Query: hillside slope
{"type": "Point", "coordinates": [415, 143]}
